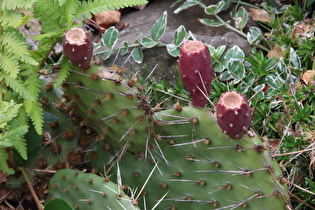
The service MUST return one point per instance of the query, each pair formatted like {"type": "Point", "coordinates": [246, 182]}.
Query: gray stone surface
{"type": "Point", "coordinates": [140, 24]}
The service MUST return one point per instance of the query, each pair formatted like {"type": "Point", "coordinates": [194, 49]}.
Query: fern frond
{"type": "Point", "coordinates": [35, 112]}
{"type": "Point", "coordinates": [33, 83]}
{"type": "Point", "coordinates": [13, 42]}
{"type": "Point", "coordinates": [11, 19]}
{"type": "Point", "coordinates": [15, 138]}
{"type": "Point", "coordinates": [10, 5]}
{"type": "Point", "coordinates": [64, 71]}
{"type": "Point", "coordinates": [71, 7]}
{"type": "Point", "coordinates": [4, 167]}
{"type": "Point", "coordinates": [51, 15]}
{"type": "Point", "coordinates": [8, 65]}
{"type": "Point", "coordinates": [97, 6]}
{"type": "Point", "coordinates": [19, 87]}
{"type": "Point", "coordinates": [8, 110]}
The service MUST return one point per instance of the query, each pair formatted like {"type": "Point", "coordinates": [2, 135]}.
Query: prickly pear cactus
{"type": "Point", "coordinates": [111, 106]}
{"type": "Point", "coordinates": [88, 191]}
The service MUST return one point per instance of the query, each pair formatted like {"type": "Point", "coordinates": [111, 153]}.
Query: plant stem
{"type": "Point", "coordinates": [30, 187]}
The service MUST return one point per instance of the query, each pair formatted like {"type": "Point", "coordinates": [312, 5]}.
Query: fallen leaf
{"type": "Point", "coordinates": [107, 18]}
{"type": "Point", "coordinates": [260, 15]}
{"type": "Point", "coordinates": [276, 52]}
{"type": "Point", "coordinates": [301, 29]}
{"type": "Point", "coordinates": [308, 77]}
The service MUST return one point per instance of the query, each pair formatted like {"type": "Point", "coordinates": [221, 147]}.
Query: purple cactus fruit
{"type": "Point", "coordinates": [196, 71]}
{"type": "Point", "coordinates": [233, 114]}
{"type": "Point", "coordinates": [78, 48]}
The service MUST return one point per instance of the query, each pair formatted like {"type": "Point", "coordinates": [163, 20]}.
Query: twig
{"type": "Point", "coordinates": [37, 201]}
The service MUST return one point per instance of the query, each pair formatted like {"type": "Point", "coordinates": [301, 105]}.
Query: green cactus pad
{"type": "Point", "coordinates": [111, 106]}
{"type": "Point", "coordinates": [87, 191]}
{"type": "Point", "coordinates": [198, 167]}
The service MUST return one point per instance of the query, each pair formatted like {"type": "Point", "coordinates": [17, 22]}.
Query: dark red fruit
{"type": "Point", "coordinates": [233, 114]}
{"type": "Point", "coordinates": [195, 67]}
{"type": "Point", "coordinates": [78, 48]}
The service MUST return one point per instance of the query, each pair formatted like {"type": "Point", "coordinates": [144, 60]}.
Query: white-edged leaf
{"type": "Point", "coordinates": [210, 22]}
{"type": "Point", "coordinates": [236, 69]}
{"type": "Point", "coordinates": [173, 50]}
{"type": "Point", "coordinates": [158, 29]}
{"type": "Point", "coordinates": [294, 59]}
{"type": "Point", "coordinates": [241, 18]}
{"type": "Point", "coordinates": [234, 53]}
{"type": "Point", "coordinates": [186, 5]}
{"type": "Point", "coordinates": [254, 36]}
{"type": "Point", "coordinates": [137, 55]}
{"type": "Point", "coordinates": [110, 36]}
{"type": "Point", "coordinates": [125, 49]}
{"type": "Point", "coordinates": [179, 35]}
{"type": "Point", "coordinates": [225, 76]}
{"type": "Point", "coordinates": [147, 42]}
{"type": "Point", "coordinates": [107, 53]}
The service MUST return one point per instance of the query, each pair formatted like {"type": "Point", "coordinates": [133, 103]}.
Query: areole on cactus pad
{"type": "Point", "coordinates": [196, 71]}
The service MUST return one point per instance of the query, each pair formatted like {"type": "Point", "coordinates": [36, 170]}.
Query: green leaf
{"type": "Point", "coordinates": [147, 42]}
{"type": "Point", "coordinates": [8, 110]}
{"type": "Point", "coordinates": [35, 112]}
{"type": "Point", "coordinates": [64, 72]}
{"type": "Point", "coordinates": [294, 59]}
{"type": "Point", "coordinates": [3, 162]}
{"type": "Point", "coordinates": [241, 18]}
{"type": "Point", "coordinates": [110, 37]}
{"type": "Point", "coordinates": [11, 5]}
{"type": "Point", "coordinates": [159, 27]}
{"type": "Point", "coordinates": [210, 22]}
{"type": "Point", "coordinates": [9, 65]}
{"type": "Point", "coordinates": [173, 50]}
{"type": "Point", "coordinates": [254, 36]}
{"type": "Point", "coordinates": [236, 69]}
{"type": "Point", "coordinates": [234, 53]}
{"type": "Point", "coordinates": [107, 53]}
{"type": "Point", "coordinates": [137, 54]}
{"type": "Point", "coordinates": [186, 5]}
{"type": "Point", "coordinates": [179, 35]}
{"type": "Point", "coordinates": [125, 49]}
{"type": "Point", "coordinates": [58, 203]}
{"type": "Point", "coordinates": [225, 76]}
{"type": "Point", "coordinates": [215, 9]}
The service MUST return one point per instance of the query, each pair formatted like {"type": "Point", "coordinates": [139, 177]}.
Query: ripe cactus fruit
{"type": "Point", "coordinates": [195, 67]}
{"type": "Point", "coordinates": [88, 191]}
{"type": "Point", "coordinates": [233, 114]}
{"type": "Point", "coordinates": [77, 45]}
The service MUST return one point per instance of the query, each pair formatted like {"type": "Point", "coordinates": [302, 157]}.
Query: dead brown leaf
{"type": "Point", "coordinates": [308, 77]}
{"type": "Point", "coordinates": [301, 29]}
{"type": "Point", "coordinates": [107, 18]}
{"type": "Point", "coordinates": [276, 52]}
{"type": "Point", "coordinates": [260, 15]}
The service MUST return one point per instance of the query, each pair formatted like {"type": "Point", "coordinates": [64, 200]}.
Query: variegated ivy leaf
{"type": "Point", "coordinates": [137, 55]}
{"type": "Point", "coordinates": [236, 69]}
{"type": "Point", "coordinates": [240, 18]}
{"type": "Point", "coordinates": [294, 59]}
{"type": "Point", "coordinates": [254, 36]}
{"type": "Point", "coordinates": [186, 5]}
{"type": "Point", "coordinates": [147, 42]}
{"type": "Point", "coordinates": [110, 37]}
{"type": "Point", "coordinates": [215, 9]}
{"type": "Point", "coordinates": [173, 50]}
{"type": "Point", "coordinates": [210, 22]}
{"type": "Point", "coordinates": [179, 35]}
{"type": "Point", "coordinates": [159, 27]}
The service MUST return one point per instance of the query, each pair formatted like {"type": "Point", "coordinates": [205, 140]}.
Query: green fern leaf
{"type": "Point", "coordinates": [51, 15]}
{"type": "Point", "coordinates": [9, 65]}
{"type": "Point", "coordinates": [15, 138]}
{"type": "Point", "coordinates": [11, 19]}
{"type": "Point", "coordinates": [35, 112]}
{"type": "Point", "coordinates": [10, 4]}
{"type": "Point", "coordinates": [8, 110]}
{"type": "Point", "coordinates": [14, 43]}
{"type": "Point", "coordinates": [71, 7]}
{"type": "Point", "coordinates": [97, 6]}
{"type": "Point", "coordinates": [18, 87]}
{"type": "Point", "coordinates": [3, 162]}
{"type": "Point", "coordinates": [66, 67]}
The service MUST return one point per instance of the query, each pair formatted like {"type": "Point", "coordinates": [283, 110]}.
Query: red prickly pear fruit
{"type": "Point", "coordinates": [233, 114]}
{"type": "Point", "coordinates": [196, 71]}
{"type": "Point", "coordinates": [78, 48]}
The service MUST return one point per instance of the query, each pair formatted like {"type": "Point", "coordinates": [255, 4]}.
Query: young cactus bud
{"type": "Point", "coordinates": [78, 48]}
{"type": "Point", "coordinates": [233, 114]}
{"type": "Point", "coordinates": [196, 71]}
